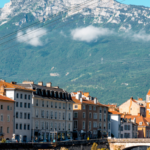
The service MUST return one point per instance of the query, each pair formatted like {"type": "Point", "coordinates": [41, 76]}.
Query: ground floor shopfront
{"type": "Point", "coordinates": [41, 135]}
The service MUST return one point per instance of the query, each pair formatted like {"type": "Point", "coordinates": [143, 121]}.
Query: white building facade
{"type": "Point", "coordinates": [52, 112]}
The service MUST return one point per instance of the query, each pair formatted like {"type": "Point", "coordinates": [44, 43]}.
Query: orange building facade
{"type": "Point", "coordinates": [6, 117]}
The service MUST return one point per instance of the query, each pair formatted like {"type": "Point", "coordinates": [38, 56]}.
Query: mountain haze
{"type": "Point", "coordinates": [100, 46]}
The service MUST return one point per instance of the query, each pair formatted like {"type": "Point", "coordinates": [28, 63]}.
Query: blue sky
{"type": "Point", "coordinates": [134, 2]}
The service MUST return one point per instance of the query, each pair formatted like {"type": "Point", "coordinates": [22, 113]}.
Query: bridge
{"type": "Point", "coordinates": [112, 144]}
{"type": "Point", "coordinates": [124, 144]}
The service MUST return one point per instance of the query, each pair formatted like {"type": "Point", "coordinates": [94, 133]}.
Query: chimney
{"type": "Point", "coordinates": [140, 99]}
{"type": "Point", "coordinates": [49, 84]}
{"type": "Point", "coordinates": [12, 82]}
{"type": "Point", "coordinates": [27, 82]}
{"type": "Point", "coordinates": [2, 90]}
{"type": "Point", "coordinates": [56, 87]}
{"type": "Point", "coordinates": [131, 98]}
{"type": "Point", "coordinates": [3, 80]}
{"type": "Point", "coordinates": [95, 100]}
{"type": "Point", "coordinates": [40, 83]}
{"type": "Point", "coordinates": [81, 99]}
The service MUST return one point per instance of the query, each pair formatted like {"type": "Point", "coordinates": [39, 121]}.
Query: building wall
{"type": "Point", "coordinates": [115, 125]}
{"type": "Point", "coordinates": [5, 123]}
{"type": "Point", "coordinates": [21, 121]}
{"type": "Point", "coordinates": [148, 110]}
{"type": "Point", "coordinates": [63, 124]}
{"type": "Point", "coordinates": [129, 107]}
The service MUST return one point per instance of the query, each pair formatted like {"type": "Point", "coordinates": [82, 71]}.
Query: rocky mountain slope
{"type": "Point", "coordinates": [100, 46]}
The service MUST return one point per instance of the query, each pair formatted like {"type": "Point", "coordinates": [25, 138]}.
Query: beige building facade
{"type": "Point", "coordinates": [133, 107]}
{"type": "Point", "coordinates": [6, 117]}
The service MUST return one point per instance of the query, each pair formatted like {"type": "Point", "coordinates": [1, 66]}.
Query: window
{"type": "Point", "coordinates": [121, 128]}
{"type": "Point", "coordinates": [100, 125]}
{"type": "Point", "coordinates": [55, 104]}
{"type": "Point", "coordinates": [104, 109]}
{"type": "Point", "coordinates": [60, 105]}
{"type": "Point", "coordinates": [25, 105]}
{"type": "Point", "coordinates": [69, 106]}
{"type": "Point", "coordinates": [63, 116]}
{"type": "Point", "coordinates": [121, 135]}
{"type": "Point", "coordinates": [21, 96]}
{"type": "Point", "coordinates": [100, 109]}
{"type": "Point", "coordinates": [63, 105]}
{"type": "Point", "coordinates": [21, 115]}
{"type": "Point", "coordinates": [1, 117]}
{"type": "Point", "coordinates": [94, 107]}
{"type": "Point", "coordinates": [20, 126]}
{"type": "Point", "coordinates": [7, 107]}
{"type": "Point", "coordinates": [83, 114]}
{"type": "Point", "coordinates": [75, 115]}
{"type": "Point", "coordinates": [104, 117]}
{"type": "Point", "coordinates": [37, 102]}
{"type": "Point", "coordinates": [47, 114]}
{"type": "Point", "coordinates": [83, 106]}
{"type": "Point", "coordinates": [28, 97]}
{"type": "Point", "coordinates": [47, 104]}
{"type": "Point", "coordinates": [28, 127]}
{"type": "Point", "coordinates": [25, 96]}
{"type": "Point", "coordinates": [59, 115]}
{"type": "Point", "coordinates": [55, 115]}
{"type": "Point", "coordinates": [28, 116]}
{"type": "Point", "coordinates": [109, 126]}
{"type": "Point", "coordinates": [24, 126]}
{"type": "Point", "coordinates": [36, 125]}
{"type": "Point", "coordinates": [83, 125]}
{"type": "Point", "coordinates": [25, 116]}
{"type": "Point", "coordinates": [76, 106]}
{"type": "Point", "coordinates": [51, 125]}
{"type": "Point", "coordinates": [59, 126]}
{"type": "Point", "coordinates": [69, 116]}
{"type": "Point", "coordinates": [16, 114]}
{"type": "Point", "coordinates": [128, 127]}
{"type": "Point", "coordinates": [16, 125]}
{"type": "Point", "coordinates": [90, 115]}
{"type": "Point", "coordinates": [16, 104]}
{"type": "Point", "coordinates": [42, 125]}
{"type": "Point", "coordinates": [94, 124]}
{"type": "Point", "coordinates": [46, 125]}
{"type": "Point", "coordinates": [36, 113]}
{"type": "Point", "coordinates": [2, 107]}
{"type": "Point", "coordinates": [51, 104]}
{"type": "Point", "coordinates": [89, 125]}
{"type": "Point", "coordinates": [94, 115]}
{"type": "Point", "coordinates": [20, 104]}
{"type": "Point", "coordinates": [42, 113]}
{"type": "Point", "coordinates": [17, 95]}
{"type": "Point", "coordinates": [55, 126]}
{"type": "Point", "coordinates": [51, 114]}
{"type": "Point", "coordinates": [100, 117]}
{"type": "Point", "coordinates": [42, 103]}
{"type": "Point", "coordinates": [1, 129]}
{"type": "Point", "coordinates": [90, 107]}
{"type": "Point", "coordinates": [7, 129]}
{"type": "Point", "coordinates": [28, 105]}
{"type": "Point", "coordinates": [68, 126]}
{"type": "Point", "coordinates": [75, 124]}
{"type": "Point", "coordinates": [104, 126]}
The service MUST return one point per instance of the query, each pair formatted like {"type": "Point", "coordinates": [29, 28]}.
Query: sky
{"type": "Point", "coordinates": [134, 2]}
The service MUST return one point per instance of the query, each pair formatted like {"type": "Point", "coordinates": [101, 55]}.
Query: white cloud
{"type": "Point", "coordinates": [142, 35]}
{"type": "Point", "coordinates": [90, 33]}
{"type": "Point", "coordinates": [32, 36]}
{"type": "Point", "coordinates": [54, 74]}
{"type": "Point", "coordinates": [52, 68]}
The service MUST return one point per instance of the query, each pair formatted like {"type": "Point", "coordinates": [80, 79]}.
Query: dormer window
{"type": "Point", "coordinates": [140, 123]}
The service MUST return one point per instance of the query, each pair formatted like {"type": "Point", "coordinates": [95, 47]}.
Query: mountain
{"type": "Point", "coordinates": [100, 46]}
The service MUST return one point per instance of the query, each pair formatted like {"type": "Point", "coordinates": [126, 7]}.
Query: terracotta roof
{"type": "Point", "coordinates": [115, 112]}
{"type": "Point", "coordinates": [139, 119]}
{"type": "Point", "coordinates": [13, 86]}
{"type": "Point", "coordinates": [84, 101]}
{"type": "Point", "coordinates": [4, 98]}
{"type": "Point", "coordinates": [109, 105]}
{"type": "Point", "coordinates": [148, 92]}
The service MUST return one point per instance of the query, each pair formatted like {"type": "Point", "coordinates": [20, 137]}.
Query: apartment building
{"type": "Point", "coordinates": [52, 112]}
{"type": "Point", "coordinates": [6, 116]}
{"type": "Point", "coordinates": [143, 124]}
{"type": "Point", "coordinates": [90, 118]}
{"type": "Point", "coordinates": [133, 107]}
{"type": "Point", "coordinates": [22, 109]}
{"type": "Point", "coordinates": [129, 129]}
